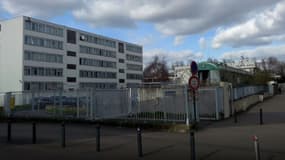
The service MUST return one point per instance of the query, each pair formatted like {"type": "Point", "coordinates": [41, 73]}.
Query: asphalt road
{"type": "Point", "coordinates": [219, 140]}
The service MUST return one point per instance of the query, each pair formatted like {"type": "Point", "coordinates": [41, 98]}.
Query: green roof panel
{"type": "Point", "coordinates": [203, 66]}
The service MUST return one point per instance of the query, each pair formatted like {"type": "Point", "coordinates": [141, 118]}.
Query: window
{"type": "Point", "coordinates": [122, 80]}
{"type": "Point", "coordinates": [121, 48]}
{"type": "Point", "coordinates": [134, 58]}
{"type": "Point", "coordinates": [134, 76]}
{"type": "Point", "coordinates": [43, 57]}
{"type": "Point", "coordinates": [97, 63]}
{"type": "Point", "coordinates": [0, 28]}
{"type": "Point", "coordinates": [133, 48]}
{"type": "Point", "coordinates": [41, 71]}
{"type": "Point", "coordinates": [97, 74]}
{"type": "Point", "coordinates": [97, 40]}
{"type": "Point", "coordinates": [71, 79]}
{"type": "Point", "coordinates": [121, 71]}
{"type": "Point", "coordinates": [71, 53]}
{"type": "Point", "coordinates": [26, 86]}
{"type": "Point", "coordinates": [121, 61]}
{"type": "Point", "coordinates": [97, 51]}
{"type": "Point", "coordinates": [134, 67]}
{"type": "Point", "coordinates": [99, 85]}
{"type": "Point", "coordinates": [43, 28]}
{"type": "Point", "coordinates": [42, 42]}
{"type": "Point", "coordinates": [71, 36]}
{"type": "Point", "coordinates": [71, 66]}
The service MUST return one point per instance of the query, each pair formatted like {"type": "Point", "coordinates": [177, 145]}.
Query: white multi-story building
{"type": "Point", "coordinates": [39, 55]}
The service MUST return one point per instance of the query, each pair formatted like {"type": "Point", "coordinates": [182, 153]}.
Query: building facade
{"type": "Point", "coordinates": [39, 55]}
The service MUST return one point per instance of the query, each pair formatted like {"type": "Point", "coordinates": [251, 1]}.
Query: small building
{"type": "Point", "coordinates": [213, 74]}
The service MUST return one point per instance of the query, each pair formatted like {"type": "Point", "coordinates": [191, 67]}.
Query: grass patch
{"type": "Point", "coordinates": [66, 110]}
{"type": "Point", "coordinates": [24, 107]}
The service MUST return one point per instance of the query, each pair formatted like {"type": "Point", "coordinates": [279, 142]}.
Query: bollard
{"type": "Point", "coordinates": [98, 138]}
{"type": "Point", "coordinates": [235, 115]}
{"type": "Point", "coordinates": [63, 135]}
{"type": "Point", "coordinates": [139, 142]}
{"type": "Point", "coordinates": [9, 129]}
{"type": "Point", "coordinates": [34, 133]}
{"type": "Point", "coordinates": [260, 116]}
{"type": "Point", "coordinates": [256, 148]}
{"type": "Point", "coordinates": [192, 145]}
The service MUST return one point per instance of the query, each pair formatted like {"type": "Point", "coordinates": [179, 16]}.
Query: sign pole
{"type": "Point", "coordinates": [194, 105]}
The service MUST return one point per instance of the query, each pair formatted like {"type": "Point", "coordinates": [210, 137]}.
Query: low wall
{"type": "Point", "coordinates": [246, 102]}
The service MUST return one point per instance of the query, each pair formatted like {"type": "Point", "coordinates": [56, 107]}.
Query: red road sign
{"type": "Point", "coordinates": [193, 82]}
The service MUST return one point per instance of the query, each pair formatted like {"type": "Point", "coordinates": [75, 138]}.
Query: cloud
{"type": "Point", "coordinates": [112, 13]}
{"type": "Point", "coordinates": [259, 52]}
{"type": "Point", "coordinates": [202, 43]}
{"type": "Point", "coordinates": [39, 8]}
{"type": "Point", "coordinates": [172, 56]}
{"type": "Point", "coordinates": [179, 18]}
{"type": "Point", "coordinates": [178, 40]}
{"type": "Point", "coordinates": [262, 29]}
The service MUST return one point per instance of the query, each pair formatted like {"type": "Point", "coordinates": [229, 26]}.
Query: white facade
{"type": "Point", "coordinates": [38, 55]}
{"type": "Point", "coordinates": [182, 74]}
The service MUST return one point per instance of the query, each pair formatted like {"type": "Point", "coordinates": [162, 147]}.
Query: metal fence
{"type": "Point", "coordinates": [171, 104]}
{"type": "Point", "coordinates": [242, 92]}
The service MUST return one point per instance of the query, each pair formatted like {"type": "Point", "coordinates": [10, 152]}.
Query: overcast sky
{"type": "Point", "coordinates": [176, 29]}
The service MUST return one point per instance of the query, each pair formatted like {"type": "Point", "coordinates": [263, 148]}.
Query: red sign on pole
{"type": "Point", "coordinates": [193, 83]}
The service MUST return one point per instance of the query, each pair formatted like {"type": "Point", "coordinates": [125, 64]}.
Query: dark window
{"type": "Point", "coordinates": [121, 80]}
{"type": "Point", "coordinates": [71, 66]}
{"type": "Point", "coordinates": [121, 47]}
{"type": "Point", "coordinates": [121, 70]}
{"type": "Point", "coordinates": [71, 36]}
{"type": "Point", "coordinates": [71, 53]}
{"type": "Point", "coordinates": [71, 79]}
{"type": "Point", "coordinates": [26, 86]}
{"type": "Point", "coordinates": [121, 60]}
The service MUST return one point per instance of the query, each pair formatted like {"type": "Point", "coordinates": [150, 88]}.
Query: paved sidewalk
{"type": "Point", "coordinates": [219, 140]}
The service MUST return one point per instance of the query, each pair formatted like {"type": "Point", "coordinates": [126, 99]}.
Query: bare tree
{"type": "Point", "coordinates": [156, 71]}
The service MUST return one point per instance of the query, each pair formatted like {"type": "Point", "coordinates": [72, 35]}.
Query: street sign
{"type": "Point", "coordinates": [193, 83]}
{"type": "Point", "coordinates": [194, 68]}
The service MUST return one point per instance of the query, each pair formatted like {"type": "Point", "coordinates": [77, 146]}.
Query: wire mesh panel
{"type": "Point", "coordinates": [163, 104]}
{"type": "Point", "coordinates": [207, 103]}
{"type": "Point", "coordinates": [110, 103]}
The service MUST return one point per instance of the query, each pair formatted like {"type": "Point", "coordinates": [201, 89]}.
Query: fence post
{"type": "Point", "coordinates": [91, 103]}
{"type": "Point", "coordinates": [87, 104]}
{"type": "Point", "coordinates": [54, 103]}
{"type": "Point", "coordinates": [7, 108]}
{"type": "Point", "coordinates": [235, 115]}
{"type": "Point", "coordinates": [61, 103]}
{"type": "Point", "coordinates": [77, 103]}
{"type": "Point", "coordinates": [186, 105]}
{"type": "Point", "coordinates": [39, 101]}
{"type": "Point", "coordinates": [192, 145]}
{"type": "Point", "coordinates": [34, 133]}
{"type": "Point", "coordinates": [9, 130]}
{"type": "Point", "coordinates": [98, 138]}
{"type": "Point", "coordinates": [260, 116]}
{"type": "Point", "coordinates": [33, 101]}
{"type": "Point", "coordinates": [139, 142]}
{"type": "Point", "coordinates": [256, 148]}
{"type": "Point", "coordinates": [63, 135]}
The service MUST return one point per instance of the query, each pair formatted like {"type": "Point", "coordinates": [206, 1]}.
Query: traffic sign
{"type": "Point", "coordinates": [194, 68]}
{"type": "Point", "coordinates": [193, 82]}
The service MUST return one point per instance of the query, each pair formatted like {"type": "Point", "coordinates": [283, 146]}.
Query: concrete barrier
{"type": "Point", "coordinates": [245, 103]}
